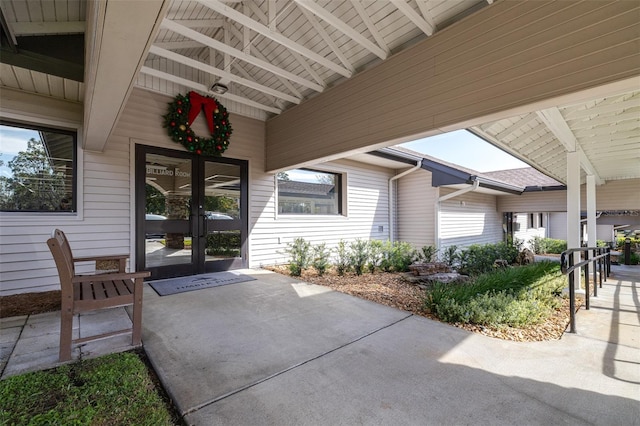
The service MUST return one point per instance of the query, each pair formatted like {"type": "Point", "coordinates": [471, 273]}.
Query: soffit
{"type": "Point", "coordinates": [42, 47]}
{"type": "Point", "coordinates": [274, 54]}
{"type": "Point", "coordinates": [605, 130]}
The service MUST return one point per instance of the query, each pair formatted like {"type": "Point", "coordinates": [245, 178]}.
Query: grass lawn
{"type": "Point", "coordinates": [116, 389]}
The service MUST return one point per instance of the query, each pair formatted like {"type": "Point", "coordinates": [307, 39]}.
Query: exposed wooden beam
{"type": "Point", "coordinates": [342, 27]}
{"type": "Point", "coordinates": [555, 122]}
{"type": "Point", "coordinates": [181, 59]}
{"type": "Point", "coordinates": [204, 89]}
{"type": "Point", "coordinates": [175, 45]}
{"type": "Point", "coordinates": [424, 10]}
{"type": "Point", "coordinates": [413, 16]}
{"type": "Point", "coordinates": [259, 55]}
{"type": "Point", "coordinates": [208, 41]}
{"type": "Point", "coordinates": [277, 37]}
{"type": "Point", "coordinates": [327, 38]}
{"type": "Point", "coordinates": [200, 23]}
{"type": "Point", "coordinates": [370, 25]}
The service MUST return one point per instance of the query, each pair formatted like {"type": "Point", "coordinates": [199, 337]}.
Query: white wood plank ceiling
{"type": "Point", "coordinates": [274, 54]}
{"type": "Point", "coordinates": [605, 131]}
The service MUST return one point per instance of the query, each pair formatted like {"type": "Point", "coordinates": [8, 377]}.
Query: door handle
{"type": "Point", "coordinates": [203, 224]}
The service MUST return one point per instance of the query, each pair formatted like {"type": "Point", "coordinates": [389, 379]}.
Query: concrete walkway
{"type": "Point", "coordinates": [278, 351]}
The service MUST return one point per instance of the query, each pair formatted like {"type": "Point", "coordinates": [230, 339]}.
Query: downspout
{"type": "Point", "coordinates": [473, 187]}
{"type": "Point", "coordinates": [392, 197]}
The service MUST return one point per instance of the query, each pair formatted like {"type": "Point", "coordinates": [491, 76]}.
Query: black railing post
{"type": "Point", "coordinates": [572, 297]}
{"type": "Point", "coordinates": [586, 279]}
{"type": "Point", "coordinates": [599, 273]}
{"type": "Point", "coordinates": [608, 261]}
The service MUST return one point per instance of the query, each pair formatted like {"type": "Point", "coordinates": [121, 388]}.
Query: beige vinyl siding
{"type": "Point", "coordinates": [470, 218]}
{"type": "Point", "coordinates": [506, 59]}
{"type": "Point", "coordinates": [613, 195]}
{"type": "Point", "coordinates": [366, 212]}
{"type": "Point", "coordinates": [526, 233]}
{"type": "Point", "coordinates": [558, 225]}
{"type": "Point", "coordinates": [104, 224]}
{"type": "Point", "coordinates": [416, 200]}
{"type": "Point", "coordinates": [101, 226]}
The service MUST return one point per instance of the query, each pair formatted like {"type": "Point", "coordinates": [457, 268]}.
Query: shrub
{"type": "Point", "coordinates": [450, 256]}
{"type": "Point", "coordinates": [634, 259]}
{"type": "Point", "coordinates": [550, 246]}
{"type": "Point", "coordinates": [536, 245]}
{"type": "Point", "coordinates": [320, 260]}
{"type": "Point", "coordinates": [510, 297]}
{"type": "Point", "coordinates": [358, 255]}
{"type": "Point", "coordinates": [478, 259]}
{"type": "Point", "coordinates": [299, 256]}
{"type": "Point", "coordinates": [375, 255]}
{"type": "Point", "coordinates": [342, 258]}
{"type": "Point", "coordinates": [427, 254]}
{"type": "Point", "coordinates": [402, 255]}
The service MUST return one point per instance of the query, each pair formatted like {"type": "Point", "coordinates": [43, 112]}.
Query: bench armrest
{"type": "Point", "coordinates": [106, 257]}
{"type": "Point", "coordinates": [113, 276]}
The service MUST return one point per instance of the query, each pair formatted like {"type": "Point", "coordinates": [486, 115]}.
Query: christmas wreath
{"type": "Point", "coordinates": [184, 109]}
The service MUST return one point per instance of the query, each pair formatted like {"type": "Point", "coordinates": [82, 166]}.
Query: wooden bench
{"type": "Point", "coordinates": [84, 293]}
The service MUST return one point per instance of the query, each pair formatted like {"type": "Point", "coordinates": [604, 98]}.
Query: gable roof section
{"type": "Point", "coordinates": [516, 181]}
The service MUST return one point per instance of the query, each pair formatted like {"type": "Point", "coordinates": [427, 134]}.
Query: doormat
{"type": "Point", "coordinates": [197, 282]}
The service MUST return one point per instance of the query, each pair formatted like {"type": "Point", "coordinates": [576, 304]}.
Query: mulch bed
{"type": "Point", "coordinates": [393, 290]}
{"type": "Point", "coordinates": [29, 303]}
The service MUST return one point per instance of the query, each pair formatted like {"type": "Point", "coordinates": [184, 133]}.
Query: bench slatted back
{"type": "Point", "coordinates": [61, 251]}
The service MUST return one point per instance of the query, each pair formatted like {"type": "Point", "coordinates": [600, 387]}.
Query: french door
{"type": "Point", "coordinates": [191, 213]}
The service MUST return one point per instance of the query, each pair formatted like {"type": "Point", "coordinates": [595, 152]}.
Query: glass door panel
{"type": "Point", "coordinates": [192, 211]}
{"type": "Point", "coordinates": [168, 235]}
{"type": "Point", "coordinates": [222, 214]}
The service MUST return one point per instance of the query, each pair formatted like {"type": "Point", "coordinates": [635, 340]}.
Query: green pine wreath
{"type": "Point", "coordinates": [179, 129]}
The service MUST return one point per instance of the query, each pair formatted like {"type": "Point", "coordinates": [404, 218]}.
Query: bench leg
{"type": "Point", "coordinates": [66, 330]}
{"type": "Point", "coordinates": [136, 335]}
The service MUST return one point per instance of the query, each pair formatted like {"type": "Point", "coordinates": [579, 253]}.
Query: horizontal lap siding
{"type": "Point", "coordinates": [475, 222]}
{"type": "Point", "coordinates": [101, 228]}
{"type": "Point", "coordinates": [558, 225]}
{"type": "Point", "coordinates": [613, 195]}
{"type": "Point", "coordinates": [526, 234]}
{"type": "Point", "coordinates": [416, 200]}
{"type": "Point", "coordinates": [367, 209]}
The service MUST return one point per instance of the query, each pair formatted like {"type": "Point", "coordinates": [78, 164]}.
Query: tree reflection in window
{"type": "Point", "coordinates": [37, 169]}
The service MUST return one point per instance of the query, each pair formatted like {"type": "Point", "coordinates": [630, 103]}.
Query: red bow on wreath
{"type": "Point", "coordinates": [197, 102]}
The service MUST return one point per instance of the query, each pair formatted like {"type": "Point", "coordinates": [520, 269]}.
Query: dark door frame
{"type": "Point", "coordinates": [198, 264]}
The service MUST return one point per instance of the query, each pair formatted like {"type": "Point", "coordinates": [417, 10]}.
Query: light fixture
{"type": "Point", "coordinates": [219, 88]}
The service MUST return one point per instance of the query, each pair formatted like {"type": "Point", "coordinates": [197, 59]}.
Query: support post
{"type": "Point", "coordinates": [573, 211]}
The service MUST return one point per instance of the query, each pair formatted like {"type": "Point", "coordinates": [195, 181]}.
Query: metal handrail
{"type": "Point", "coordinates": [601, 259]}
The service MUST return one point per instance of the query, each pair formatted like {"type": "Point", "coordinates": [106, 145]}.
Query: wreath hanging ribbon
{"type": "Point", "coordinates": [197, 103]}
{"type": "Point", "coordinates": [184, 110]}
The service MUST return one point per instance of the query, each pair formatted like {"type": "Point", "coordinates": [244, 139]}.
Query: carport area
{"type": "Point", "coordinates": [280, 351]}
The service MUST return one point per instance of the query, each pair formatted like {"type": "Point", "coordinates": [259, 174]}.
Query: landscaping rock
{"type": "Point", "coordinates": [445, 277]}
{"type": "Point", "coordinates": [526, 257]}
{"type": "Point", "coordinates": [430, 268]}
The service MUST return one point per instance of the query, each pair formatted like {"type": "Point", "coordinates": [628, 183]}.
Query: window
{"type": "Point", "coordinates": [37, 169]}
{"type": "Point", "coordinates": [309, 192]}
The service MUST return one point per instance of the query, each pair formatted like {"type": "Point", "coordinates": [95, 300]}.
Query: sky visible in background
{"type": "Point", "coordinates": [467, 150]}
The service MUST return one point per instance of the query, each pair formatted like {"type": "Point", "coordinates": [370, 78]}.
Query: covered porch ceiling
{"type": "Point", "coordinates": [272, 55]}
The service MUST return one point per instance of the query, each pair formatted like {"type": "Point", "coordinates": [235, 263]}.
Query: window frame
{"type": "Point", "coordinates": [76, 159]}
{"type": "Point", "coordinates": [340, 185]}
